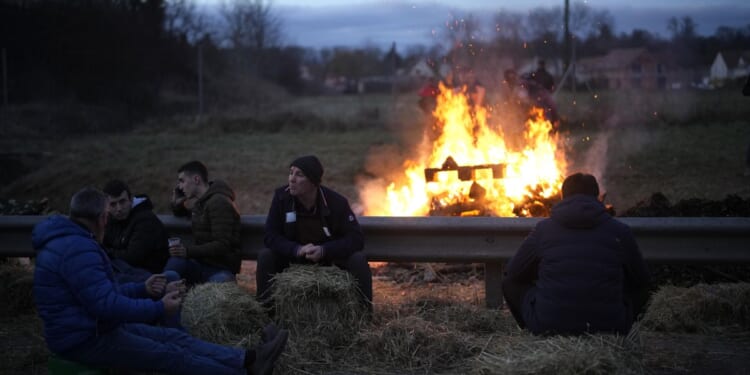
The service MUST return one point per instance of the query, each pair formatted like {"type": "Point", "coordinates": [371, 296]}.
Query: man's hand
{"type": "Point", "coordinates": [179, 286]}
{"type": "Point", "coordinates": [172, 302]}
{"type": "Point", "coordinates": [156, 284]}
{"type": "Point", "coordinates": [311, 252]}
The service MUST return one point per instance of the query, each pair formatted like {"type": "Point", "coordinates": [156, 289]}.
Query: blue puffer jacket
{"type": "Point", "coordinates": [586, 267]}
{"type": "Point", "coordinates": [74, 290]}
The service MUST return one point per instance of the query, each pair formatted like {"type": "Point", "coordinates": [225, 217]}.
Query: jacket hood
{"type": "Point", "coordinates": [580, 211]}
{"type": "Point", "coordinates": [142, 202]}
{"type": "Point", "coordinates": [218, 187]}
{"type": "Point", "coordinates": [54, 227]}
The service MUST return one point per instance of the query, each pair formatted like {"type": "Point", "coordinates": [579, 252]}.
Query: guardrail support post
{"type": "Point", "coordinates": [493, 277]}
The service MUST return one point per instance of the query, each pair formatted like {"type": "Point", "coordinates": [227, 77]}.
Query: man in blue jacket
{"type": "Point", "coordinates": [579, 270]}
{"type": "Point", "coordinates": [310, 223]}
{"type": "Point", "coordinates": [89, 318]}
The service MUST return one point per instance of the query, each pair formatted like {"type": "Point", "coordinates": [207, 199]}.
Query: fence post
{"type": "Point", "coordinates": [493, 277]}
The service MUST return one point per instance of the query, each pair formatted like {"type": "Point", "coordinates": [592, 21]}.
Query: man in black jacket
{"type": "Point", "coordinates": [135, 238]}
{"type": "Point", "coordinates": [310, 223]}
{"type": "Point", "coordinates": [579, 270]}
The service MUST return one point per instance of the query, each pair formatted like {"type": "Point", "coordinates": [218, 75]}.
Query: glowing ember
{"type": "Point", "coordinates": [466, 167]}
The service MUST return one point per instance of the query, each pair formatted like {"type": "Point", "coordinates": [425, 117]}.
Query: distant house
{"type": "Point", "coordinates": [425, 69]}
{"type": "Point", "coordinates": [625, 68]}
{"type": "Point", "coordinates": [729, 65]}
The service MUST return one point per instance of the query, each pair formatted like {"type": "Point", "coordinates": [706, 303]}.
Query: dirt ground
{"type": "Point", "coordinates": [22, 349]}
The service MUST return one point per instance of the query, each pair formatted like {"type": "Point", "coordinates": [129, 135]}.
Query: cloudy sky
{"type": "Point", "coordinates": [326, 23]}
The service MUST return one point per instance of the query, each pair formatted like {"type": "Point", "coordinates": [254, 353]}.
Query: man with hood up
{"type": "Point", "coordinates": [215, 254]}
{"type": "Point", "coordinates": [135, 238]}
{"type": "Point", "coordinates": [578, 271]}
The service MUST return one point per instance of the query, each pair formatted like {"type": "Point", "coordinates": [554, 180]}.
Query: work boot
{"type": "Point", "coordinates": [267, 353]}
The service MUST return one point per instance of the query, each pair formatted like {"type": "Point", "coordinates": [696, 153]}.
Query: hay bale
{"type": "Point", "coordinates": [223, 313]}
{"type": "Point", "coordinates": [699, 308]}
{"type": "Point", "coordinates": [560, 355]}
{"type": "Point", "coordinates": [16, 289]}
{"type": "Point", "coordinates": [318, 302]}
{"type": "Point", "coordinates": [411, 344]}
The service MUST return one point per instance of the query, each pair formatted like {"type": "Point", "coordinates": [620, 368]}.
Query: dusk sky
{"type": "Point", "coordinates": [325, 23]}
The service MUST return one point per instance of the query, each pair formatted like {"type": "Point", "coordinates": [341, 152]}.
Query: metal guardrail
{"type": "Point", "coordinates": [488, 240]}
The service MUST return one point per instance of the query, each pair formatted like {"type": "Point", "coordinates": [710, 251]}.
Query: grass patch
{"type": "Point", "coordinates": [700, 308]}
{"type": "Point", "coordinates": [590, 354]}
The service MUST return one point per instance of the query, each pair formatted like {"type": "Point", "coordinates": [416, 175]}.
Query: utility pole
{"type": "Point", "coordinates": [566, 36]}
{"type": "Point", "coordinates": [200, 80]}
{"type": "Point", "coordinates": [5, 78]}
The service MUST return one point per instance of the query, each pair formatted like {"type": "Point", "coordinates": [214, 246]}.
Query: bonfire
{"type": "Point", "coordinates": [469, 165]}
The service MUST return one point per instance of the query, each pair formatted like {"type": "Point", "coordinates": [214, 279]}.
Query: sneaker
{"type": "Point", "coordinates": [267, 353]}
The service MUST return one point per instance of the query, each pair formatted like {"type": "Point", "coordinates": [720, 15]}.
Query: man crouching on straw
{"type": "Point", "coordinates": [579, 270]}
{"type": "Point", "coordinates": [310, 223]}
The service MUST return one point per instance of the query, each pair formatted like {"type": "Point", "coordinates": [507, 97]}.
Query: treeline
{"type": "Point", "coordinates": [126, 54]}
{"type": "Point", "coordinates": [99, 52]}
{"type": "Point", "coordinates": [123, 54]}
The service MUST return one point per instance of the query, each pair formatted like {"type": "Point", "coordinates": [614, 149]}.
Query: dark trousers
{"type": "Point", "coordinates": [145, 348]}
{"type": "Point", "coordinates": [270, 263]}
{"type": "Point", "coordinates": [513, 291]}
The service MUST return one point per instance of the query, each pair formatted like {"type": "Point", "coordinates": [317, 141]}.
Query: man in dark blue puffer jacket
{"type": "Point", "coordinates": [579, 270]}
{"type": "Point", "coordinates": [89, 318]}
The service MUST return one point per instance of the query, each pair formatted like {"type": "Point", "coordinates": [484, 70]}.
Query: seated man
{"type": "Point", "coordinates": [579, 270]}
{"type": "Point", "coordinates": [89, 318]}
{"type": "Point", "coordinates": [215, 255]}
{"type": "Point", "coordinates": [135, 238]}
{"type": "Point", "coordinates": [309, 223]}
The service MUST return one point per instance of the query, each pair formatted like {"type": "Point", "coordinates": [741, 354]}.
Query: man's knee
{"type": "Point", "coordinates": [358, 261]}
{"type": "Point", "coordinates": [266, 259]}
{"type": "Point", "coordinates": [222, 277]}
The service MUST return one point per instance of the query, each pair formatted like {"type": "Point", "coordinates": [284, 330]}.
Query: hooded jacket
{"type": "Point", "coordinates": [216, 228]}
{"type": "Point", "coordinates": [74, 288]}
{"type": "Point", "coordinates": [586, 266]}
{"type": "Point", "coordinates": [345, 233]}
{"type": "Point", "coordinates": [140, 239]}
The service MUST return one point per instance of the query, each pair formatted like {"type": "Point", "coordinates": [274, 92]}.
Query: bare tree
{"type": "Point", "coordinates": [545, 23]}
{"type": "Point", "coordinates": [545, 26]}
{"type": "Point", "coordinates": [183, 18]}
{"type": "Point", "coordinates": [465, 37]}
{"type": "Point", "coordinates": [509, 26]}
{"type": "Point", "coordinates": [252, 23]}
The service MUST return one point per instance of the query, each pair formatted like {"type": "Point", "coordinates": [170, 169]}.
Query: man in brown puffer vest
{"type": "Point", "coordinates": [215, 254]}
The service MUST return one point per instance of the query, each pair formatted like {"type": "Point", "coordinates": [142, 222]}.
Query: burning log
{"type": "Point", "coordinates": [465, 173]}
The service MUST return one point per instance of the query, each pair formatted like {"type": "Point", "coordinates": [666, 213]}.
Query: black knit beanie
{"type": "Point", "coordinates": [310, 166]}
{"type": "Point", "coordinates": [580, 183]}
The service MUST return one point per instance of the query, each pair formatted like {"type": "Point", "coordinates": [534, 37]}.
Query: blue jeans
{"type": "Point", "coordinates": [141, 347]}
{"type": "Point", "coordinates": [125, 273]}
{"type": "Point", "coordinates": [196, 272]}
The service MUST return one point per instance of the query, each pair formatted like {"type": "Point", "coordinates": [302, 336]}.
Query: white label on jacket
{"type": "Point", "coordinates": [291, 217]}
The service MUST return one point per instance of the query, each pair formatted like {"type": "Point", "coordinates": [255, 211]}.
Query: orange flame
{"type": "Point", "coordinates": [462, 132]}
